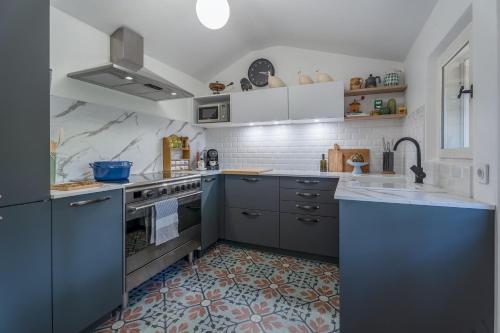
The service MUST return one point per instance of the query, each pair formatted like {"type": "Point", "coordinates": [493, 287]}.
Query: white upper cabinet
{"type": "Point", "coordinates": [319, 100]}
{"type": "Point", "coordinates": [261, 105]}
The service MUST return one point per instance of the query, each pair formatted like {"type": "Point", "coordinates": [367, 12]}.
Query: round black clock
{"type": "Point", "coordinates": [257, 72]}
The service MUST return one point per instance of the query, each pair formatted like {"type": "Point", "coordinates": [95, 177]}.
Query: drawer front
{"type": "Point", "coordinates": [309, 234]}
{"type": "Point", "coordinates": [310, 183]}
{"type": "Point", "coordinates": [318, 196]}
{"type": "Point", "coordinates": [310, 208]}
{"type": "Point", "coordinates": [253, 227]}
{"type": "Point", "coordinates": [252, 192]}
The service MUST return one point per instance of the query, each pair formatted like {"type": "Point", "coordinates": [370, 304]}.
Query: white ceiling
{"type": "Point", "coordinates": [382, 29]}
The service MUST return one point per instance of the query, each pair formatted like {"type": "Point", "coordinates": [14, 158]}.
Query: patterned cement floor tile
{"type": "Point", "coordinates": [232, 289]}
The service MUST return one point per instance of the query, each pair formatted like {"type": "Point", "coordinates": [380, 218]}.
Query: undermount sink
{"type": "Point", "coordinates": [389, 183]}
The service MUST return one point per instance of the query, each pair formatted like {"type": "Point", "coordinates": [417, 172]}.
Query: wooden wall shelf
{"type": "Point", "coordinates": [381, 117]}
{"type": "Point", "coordinates": [375, 91]}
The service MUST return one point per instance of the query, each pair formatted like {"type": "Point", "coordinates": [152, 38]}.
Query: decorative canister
{"type": "Point", "coordinates": [391, 79]}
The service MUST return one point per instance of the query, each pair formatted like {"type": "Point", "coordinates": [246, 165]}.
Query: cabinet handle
{"type": "Point", "coordinates": [308, 195]}
{"type": "Point", "coordinates": [250, 180]}
{"type": "Point", "coordinates": [209, 180]}
{"type": "Point", "coordinates": [193, 207]}
{"type": "Point", "coordinates": [307, 182]}
{"type": "Point", "coordinates": [251, 214]}
{"type": "Point", "coordinates": [307, 207]}
{"type": "Point", "coordinates": [302, 219]}
{"type": "Point", "coordinates": [89, 202]}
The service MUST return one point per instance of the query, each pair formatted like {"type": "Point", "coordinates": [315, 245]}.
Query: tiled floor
{"type": "Point", "coordinates": [231, 289]}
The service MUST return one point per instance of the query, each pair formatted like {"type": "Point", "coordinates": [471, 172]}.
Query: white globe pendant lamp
{"type": "Point", "coordinates": [213, 14]}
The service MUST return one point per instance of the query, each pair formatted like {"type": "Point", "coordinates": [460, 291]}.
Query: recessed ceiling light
{"type": "Point", "coordinates": [316, 120]}
{"type": "Point", "coordinates": [173, 93]}
{"type": "Point", "coordinates": [276, 122]}
{"type": "Point", "coordinates": [251, 124]}
{"type": "Point", "coordinates": [130, 78]}
{"type": "Point", "coordinates": [213, 14]}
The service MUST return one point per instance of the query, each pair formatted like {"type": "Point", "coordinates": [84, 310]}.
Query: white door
{"type": "Point", "coordinates": [268, 104]}
{"type": "Point", "coordinates": [319, 100]}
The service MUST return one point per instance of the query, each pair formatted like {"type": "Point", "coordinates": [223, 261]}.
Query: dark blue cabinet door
{"type": "Point", "coordinates": [25, 288]}
{"type": "Point", "coordinates": [87, 259]}
{"type": "Point", "coordinates": [24, 94]}
{"type": "Point", "coordinates": [210, 208]}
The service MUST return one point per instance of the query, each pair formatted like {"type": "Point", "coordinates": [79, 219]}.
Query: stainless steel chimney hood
{"type": "Point", "coordinates": [126, 73]}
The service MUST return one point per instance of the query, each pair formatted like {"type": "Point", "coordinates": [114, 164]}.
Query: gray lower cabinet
{"type": "Point", "coordinates": [25, 287]}
{"type": "Point", "coordinates": [252, 192]}
{"type": "Point", "coordinates": [410, 268]}
{"type": "Point", "coordinates": [210, 210]}
{"type": "Point", "coordinates": [310, 208]}
{"type": "Point", "coordinates": [309, 215]}
{"type": "Point", "coordinates": [252, 226]}
{"type": "Point", "coordinates": [309, 183]}
{"type": "Point", "coordinates": [87, 254]}
{"type": "Point", "coordinates": [309, 234]}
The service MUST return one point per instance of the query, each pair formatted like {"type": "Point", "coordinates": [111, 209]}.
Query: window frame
{"type": "Point", "coordinates": [453, 50]}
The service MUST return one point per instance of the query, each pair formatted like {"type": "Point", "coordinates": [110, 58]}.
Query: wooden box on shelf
{"type": "Point", "coordinates": [176, 153]}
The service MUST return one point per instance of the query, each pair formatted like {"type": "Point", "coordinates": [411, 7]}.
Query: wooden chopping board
{"type": "Point", "coordinates": [337, 159]}
{"type": "Point", "coordinates": [246, 171]}
{"type": "Point", "coordinates": [74, 186]}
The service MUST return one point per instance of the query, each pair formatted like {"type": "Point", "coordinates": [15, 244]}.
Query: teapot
{"type": "Point", "coordinates": [371, 81]}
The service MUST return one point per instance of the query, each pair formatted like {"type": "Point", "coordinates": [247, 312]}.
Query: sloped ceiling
{"type": "Point", "coordinates": [383, 29]}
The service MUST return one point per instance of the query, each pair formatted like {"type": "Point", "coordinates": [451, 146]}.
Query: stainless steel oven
{"type": "Point", "coordinates": [143, 258]}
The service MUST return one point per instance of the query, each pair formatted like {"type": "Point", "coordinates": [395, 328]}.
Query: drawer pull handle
{"type": "Point", "coordinates": [89, 202]}
{"type": "Point", "coordinates": [307, 207]}
{"type": "Point", "coordinates": [307, 182]}
{"type": "Point", "coordinates": [250, 180]}
{"type": "Point", "coordinates": [307, 195]}
{"type": "Point", "coordinates": [251, 214]}
{"type": "Point", "coordinates": [209, 180]}
{"type": "Point", "coordinates": [302, 219]}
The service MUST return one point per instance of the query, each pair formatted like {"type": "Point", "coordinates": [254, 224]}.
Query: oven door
{"type": "Point", "coordinates": [140, 248]}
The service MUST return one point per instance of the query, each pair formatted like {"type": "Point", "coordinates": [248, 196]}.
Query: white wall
{"type": "Point", "coordinates": [299, 147]}
{"type": "Point", "coordinates": [447, 20]}
{"type": "Point", "coordinates": [443, 25]}
{"type": "Point", "coordinates": [74, 45]}
{"type": "Point", "coordinates": [288, 61]}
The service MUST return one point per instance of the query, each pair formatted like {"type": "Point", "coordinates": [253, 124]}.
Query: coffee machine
{"type": "Point", "coordinates": [212, 159]}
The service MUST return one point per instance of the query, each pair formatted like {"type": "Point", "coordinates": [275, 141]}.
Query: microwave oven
{"type": "Point", "coordinates": [213, 113]}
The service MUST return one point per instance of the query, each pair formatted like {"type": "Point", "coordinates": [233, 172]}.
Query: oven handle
{"type": "Point", "coordinates": [136, 208]}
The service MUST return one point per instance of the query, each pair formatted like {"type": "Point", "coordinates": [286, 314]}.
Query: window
{"type": "Point", "coordinates": [456, 99]}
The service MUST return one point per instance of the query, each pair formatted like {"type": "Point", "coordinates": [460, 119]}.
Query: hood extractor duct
{"type": "Point", "coordinates": [126, 73]}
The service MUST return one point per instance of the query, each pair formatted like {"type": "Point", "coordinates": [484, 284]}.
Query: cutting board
{"type": "Point", "coordinates": [74, 186]}
{"type": "Point", "coordinates": [246, 171]}
{"type": "Point", "coordinates": [337, 159]}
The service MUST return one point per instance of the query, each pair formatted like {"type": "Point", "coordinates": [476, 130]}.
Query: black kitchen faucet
{"type": "Point", "coordinates": [417, 169]}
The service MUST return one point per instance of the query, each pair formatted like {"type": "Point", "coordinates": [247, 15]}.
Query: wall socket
{"type": "Point", "coordinates": [483, 173]}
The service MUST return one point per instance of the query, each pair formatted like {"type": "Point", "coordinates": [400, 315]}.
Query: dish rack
{"type": "Point", "coordinates": [176, 154]}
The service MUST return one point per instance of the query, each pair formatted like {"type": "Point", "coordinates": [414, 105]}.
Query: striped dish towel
{"type": "Point", "coordinates": [166, 220]}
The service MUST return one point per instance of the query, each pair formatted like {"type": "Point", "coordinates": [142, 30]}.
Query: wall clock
{"type": "Point", "coordinates": [257, 72]}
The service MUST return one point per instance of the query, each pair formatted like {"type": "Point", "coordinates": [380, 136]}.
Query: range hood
{"type": "Point", "coordinates": [126, 73]}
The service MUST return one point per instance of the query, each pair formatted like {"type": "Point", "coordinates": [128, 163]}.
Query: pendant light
{"type": "Point", "coordinates": [213, 14]}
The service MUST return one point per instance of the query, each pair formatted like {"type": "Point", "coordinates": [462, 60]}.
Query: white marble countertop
{"type": "Point", "coordinates": [366, 187]}
{"type": "Point", "coordinates": [379, 188]}
{"type": "Point", "coordinates": [103, 188]}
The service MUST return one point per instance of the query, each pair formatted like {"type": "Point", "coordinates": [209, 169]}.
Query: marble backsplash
{"type": "Point", "coordinates": [99, 133]}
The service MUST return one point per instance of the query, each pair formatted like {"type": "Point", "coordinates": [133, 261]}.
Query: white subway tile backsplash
{"type": "Point", "coordinates": [300, 146]}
